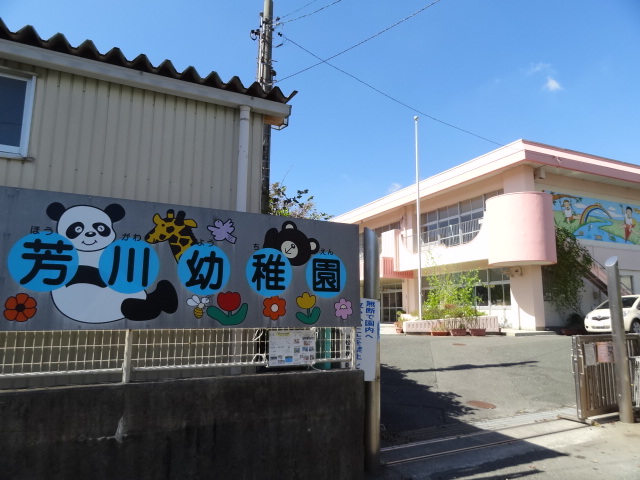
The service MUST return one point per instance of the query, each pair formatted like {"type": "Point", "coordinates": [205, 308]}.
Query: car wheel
{"type": "Point", "coordinates": [635, 327]}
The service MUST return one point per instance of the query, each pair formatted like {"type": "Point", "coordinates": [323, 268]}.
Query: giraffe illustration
{"type": "Point", "coordinates": [174, 229]}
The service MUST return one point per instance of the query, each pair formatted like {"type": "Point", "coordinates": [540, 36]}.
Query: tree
{"type": "Point", "coordinates": [295, 206]}
{"type": "Point", "coordinates": [564, 281]}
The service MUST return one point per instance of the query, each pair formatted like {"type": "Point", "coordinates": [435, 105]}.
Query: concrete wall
{"type": "Point", "coordinates": [272, 426]}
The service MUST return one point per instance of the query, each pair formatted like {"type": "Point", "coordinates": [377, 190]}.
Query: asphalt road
{"type": "Point", "coordinates": [491, 408]}
{"type": "Point", "coordinates": [435, 381]}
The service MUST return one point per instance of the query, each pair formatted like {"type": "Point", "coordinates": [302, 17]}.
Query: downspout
{"type": "Point", "coordinates": [243, 159]}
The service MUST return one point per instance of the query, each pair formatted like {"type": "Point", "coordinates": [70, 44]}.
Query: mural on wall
{"type": "Point", "coordinates": [73, 262]}
{"type": "Point", "coordinates": [600, 220]}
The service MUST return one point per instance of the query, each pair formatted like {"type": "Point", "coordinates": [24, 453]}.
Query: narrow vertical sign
{"type": "Point", "coordinates": [367, 338]}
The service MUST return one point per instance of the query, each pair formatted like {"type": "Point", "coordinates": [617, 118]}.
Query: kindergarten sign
{"type": "Point", "coordinates": [78, 262]}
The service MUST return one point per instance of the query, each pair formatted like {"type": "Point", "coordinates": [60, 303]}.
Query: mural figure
{"type": "Point", "coordinates": [175, 229]}
{"type": "Point", "coordinates": [198, 304]}
{"type": "Point", "coordinates": [86, 297]}
{"type": "Point", "coordinates": [567, 210]}
{"type": "Point", "coordinates": [222, 230]}
{"type": "Point", "coordinates": [293, 243]}
{"type": "Point", "coordinates": [629, 223]}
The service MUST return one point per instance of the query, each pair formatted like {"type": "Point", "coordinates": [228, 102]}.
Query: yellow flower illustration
{"type": "Point", "coordinates": [306, 301]}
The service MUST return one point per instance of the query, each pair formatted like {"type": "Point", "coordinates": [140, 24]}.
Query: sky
{"type": "Point", "coordinates": [478, 74]}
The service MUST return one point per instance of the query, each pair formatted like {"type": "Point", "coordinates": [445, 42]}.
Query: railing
{"type": "Point", "coordinates": [598, 277]}
{"type": "Point", "coordinates": [449, 236]}
{"type": "Point", "coordinates": [595, 376]}
{"type": "Point", "coordinates": [62, 357]}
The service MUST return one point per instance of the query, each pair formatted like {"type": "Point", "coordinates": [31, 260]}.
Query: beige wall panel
{"type": "Point", "coordinates": [97, 138]}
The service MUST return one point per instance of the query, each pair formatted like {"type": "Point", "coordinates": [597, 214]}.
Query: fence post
{"type": "Point", "coordinates": [126, 363]}
{"type": "Point", "coordinates": [618, 334]}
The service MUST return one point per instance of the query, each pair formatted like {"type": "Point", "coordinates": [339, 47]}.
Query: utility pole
{"type": "Point", "coordinates": [265, 79]}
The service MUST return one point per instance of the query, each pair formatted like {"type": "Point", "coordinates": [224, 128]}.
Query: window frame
{"type": "Point", "coordinates": [20, 151]}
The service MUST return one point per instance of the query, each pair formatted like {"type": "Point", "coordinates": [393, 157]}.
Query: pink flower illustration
{"type": "Point", "coordinates": [343, 308]}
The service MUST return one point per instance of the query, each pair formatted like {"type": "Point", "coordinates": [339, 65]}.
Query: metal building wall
{"type": "Point", "coordinates": [100, 138]}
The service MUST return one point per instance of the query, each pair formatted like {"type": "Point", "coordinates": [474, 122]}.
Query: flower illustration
{"type": "Point", "coordinates": [228, 303]}
{"type": "Point", "coordinates": [306, 301]}
{"type": "Point", "coordinates": [343, 308]}
{"type": "Point", "coordinates": [20, 308]}
{"type": "Point", "coordinates": [274, 307]}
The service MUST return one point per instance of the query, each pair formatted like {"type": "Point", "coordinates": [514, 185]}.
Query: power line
{"type": "Point", "coordinates": [306, 15]}
{"type": "Point", "coordinates": [362, 42]}
{"type": "Point", "coordinates": [392, 98]}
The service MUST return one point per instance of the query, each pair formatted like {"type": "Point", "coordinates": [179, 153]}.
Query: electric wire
{"type": "Point", "coordinates": [307, 14]}
{"type": "Point", "coordinates": [362, 42]}
{"type": "Point", "coordinates": [399, 102]}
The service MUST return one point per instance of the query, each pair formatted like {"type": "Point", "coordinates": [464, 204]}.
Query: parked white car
{"type": "Point", "coordinates": [599, 320]}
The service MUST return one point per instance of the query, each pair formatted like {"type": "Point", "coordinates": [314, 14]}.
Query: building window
{"type": "Point", "coordinates": [16, 98]}
{"type": "Point", "coordinates": [455, 224]}
{"type": "Point", "coordinates": [494, 289]}
{"type": "Point", "coordinates": [390, 301]}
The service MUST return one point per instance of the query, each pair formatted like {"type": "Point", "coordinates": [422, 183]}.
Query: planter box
{"type": "Point", "coordinates": [458, 332]}
{"type": "Point", "coordinates": [489, 323]}
{"type": "Point", "coordinates": [477, 332]}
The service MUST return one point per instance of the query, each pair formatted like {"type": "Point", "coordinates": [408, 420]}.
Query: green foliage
{"type": "Point", "coordinates": [451, 295]}
{"type": "Point", "coordinates": [563, 282]}
{"type": "Point", "coordinates": [295, 206]}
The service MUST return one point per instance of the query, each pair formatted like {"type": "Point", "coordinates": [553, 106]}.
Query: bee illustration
{"type": "Point", "coordinates": [198, 305]}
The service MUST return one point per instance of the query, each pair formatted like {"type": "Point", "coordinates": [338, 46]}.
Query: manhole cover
{"type": "Point", "coordinates": [479, 404]}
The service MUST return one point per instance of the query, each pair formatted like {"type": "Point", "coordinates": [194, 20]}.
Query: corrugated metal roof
{"type": "Point", "coordinates": [58, 43]}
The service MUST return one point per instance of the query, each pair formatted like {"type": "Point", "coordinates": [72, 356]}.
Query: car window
{"type": "Point", "coordinates": [627, 302]}
{"type": "Point", "coordinates": [603, 306]}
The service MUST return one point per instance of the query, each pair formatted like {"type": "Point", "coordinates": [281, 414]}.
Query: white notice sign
{"type": "Point", "coordinates": [293, 347]}
{"type": "Point", "coordinates": [367, 338]}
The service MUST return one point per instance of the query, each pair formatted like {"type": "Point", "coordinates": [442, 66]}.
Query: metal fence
{"type": "Point", "coordinates": [595, 378]}
{"type": "Point", "coordinates": [63, 357]}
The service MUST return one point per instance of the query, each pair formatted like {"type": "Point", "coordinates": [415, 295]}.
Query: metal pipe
{"type": "Point", "coordinates": [243, 159]}
{"type": "Point", "coordinates": [618, 334]}
{"type": "Point", "coordinates": [419, 239]}
{"type": "Point", "coordinates": [372, 389]}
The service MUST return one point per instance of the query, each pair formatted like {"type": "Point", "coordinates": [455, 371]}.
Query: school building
{"type": "Point", "coordinates": [497, 214]}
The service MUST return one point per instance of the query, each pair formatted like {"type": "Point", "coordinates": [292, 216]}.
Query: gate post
{"type": "Point", "coordinates": [618, 334]}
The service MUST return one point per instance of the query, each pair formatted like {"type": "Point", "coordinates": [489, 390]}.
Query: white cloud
{"type": "Point", "coordinates": [552, 85]}
{"type": "Point", "coordinates": [394, 187]}
{"type": "Point", "coordinates": [538, 67]}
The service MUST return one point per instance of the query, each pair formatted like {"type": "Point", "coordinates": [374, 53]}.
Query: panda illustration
{"type": "Point", "coordinates": [293, 243]}
{"type": "Point", "coordinates": [86, 297]}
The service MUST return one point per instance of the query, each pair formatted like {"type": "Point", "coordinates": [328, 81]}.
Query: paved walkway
{"type": "Point", "coordinates": [492, 408]}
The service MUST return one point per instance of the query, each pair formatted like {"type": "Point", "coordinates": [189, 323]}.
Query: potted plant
{"type": "Point", "coordinates": [440, 329]}
{"type": "Point", "coordinates": [475, 328]}
{"type": "Point", "coordinates": [574, 325]}
{"type": "Point", "coordinates": [457, 327]}
{"type": "Point", "coordinates": [399, 320]}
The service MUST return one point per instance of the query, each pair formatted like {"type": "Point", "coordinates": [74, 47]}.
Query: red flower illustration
{"type": "Point", "coordinates": [274, 307]}
{"type": "Point", "coordinates": [20, 308]}
{"type": "Point", "coordinates": [229, 301]}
